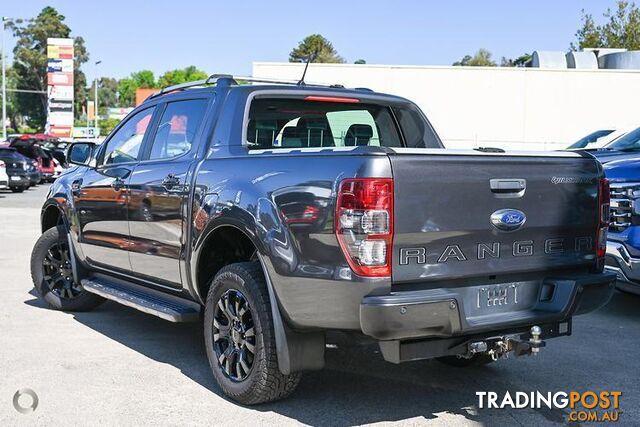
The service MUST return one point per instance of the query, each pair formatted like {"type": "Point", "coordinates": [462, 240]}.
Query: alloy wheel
{"type": "Point", "coordinates": [234, 338]}
{"type": "Point", "coordinates": [58, 272]}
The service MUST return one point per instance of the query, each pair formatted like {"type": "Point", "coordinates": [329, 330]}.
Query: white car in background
{"type": "Point", "coordinates": [4, 178]}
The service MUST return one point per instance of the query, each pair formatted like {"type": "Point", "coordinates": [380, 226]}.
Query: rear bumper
{"type": "Point", "coordinates": [447, 312]}
{"type": "Point", "coordinates": [19, 181]}
{"type": "Point", "coordinates": [626, 268]}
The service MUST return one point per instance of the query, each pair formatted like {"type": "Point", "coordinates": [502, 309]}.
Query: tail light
{"type": "Point", "coordinates": [604, 197]}
{"type": "Point", "coordinates": [364, 224]}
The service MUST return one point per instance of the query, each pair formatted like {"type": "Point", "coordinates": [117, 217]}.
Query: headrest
{"type": "Point", "coordinates": [360, 131]}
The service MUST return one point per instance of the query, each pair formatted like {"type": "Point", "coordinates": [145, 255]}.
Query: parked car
{"type": "Point", "coordinates": [33, 171]}
{"type": "Point", "coordinates": [595, 139]}
{"type": "Point", "coordinates": [30, 147]}
{"type": "Point", "coordinates": [17, 168]}
{"type": "Point", "coordinates": [57, 149]}
{"type": "Point", "coordinates": [276, 213]}
{"type": "Point", "coordinates": [623, 241]}
{"type": "Point", "coordinates": [625, 147]}
{"type": "Point", "coordinates": [4, 178]}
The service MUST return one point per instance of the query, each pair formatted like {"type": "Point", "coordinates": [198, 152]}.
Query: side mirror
{"type": "Point", "coordinates": [80, 153]}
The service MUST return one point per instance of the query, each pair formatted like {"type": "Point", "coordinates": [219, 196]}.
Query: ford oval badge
{"type": "Point", "coordinates": [508, 219]}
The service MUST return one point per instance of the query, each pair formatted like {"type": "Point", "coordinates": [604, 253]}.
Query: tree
{"type": "Point", "coordinates": [107, 93]}
{"type": "Point", "coordinates": [30, 62]}
{"type": "Point", "coordinates": [482, 58]}
{"type": "Point", "coordinates": [127, 86]}
{"type": "Point", "coordinates": [179, 76]}
{"type": "Point", "coordinates": [316, 47]}
{"type": "Point", "coordinates": [621, 29]}
{"type": "Point", "coordinates": [13, 113]}
{"type": "Point", "coordinates": [520, 61]}
{"type": "Point", "coordinates": [463, 62]}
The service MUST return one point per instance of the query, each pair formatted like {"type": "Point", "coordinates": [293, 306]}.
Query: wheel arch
{"type": "Point", "coordinates": [52, 215]}
{"type": "Point", "coordinates": [296, 351]}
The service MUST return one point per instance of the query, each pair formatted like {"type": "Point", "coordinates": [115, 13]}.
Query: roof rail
{"type": "Point", "coordinates": [228, 79]}
{"type": "Point", "coordinates": [284, 82]}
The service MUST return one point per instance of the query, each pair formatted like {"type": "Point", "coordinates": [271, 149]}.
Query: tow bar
{"type": "Point", "coordinates": [501, 346]}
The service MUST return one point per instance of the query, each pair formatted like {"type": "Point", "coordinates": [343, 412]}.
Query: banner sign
{"type": "Point", "coordinates": [60, 87]}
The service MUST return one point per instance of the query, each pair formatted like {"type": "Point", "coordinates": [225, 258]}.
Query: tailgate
{"type": "Point", "coordinates": [461, 215]}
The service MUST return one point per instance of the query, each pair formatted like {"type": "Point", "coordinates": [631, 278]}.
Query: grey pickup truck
{"type": "Point", "coordinates": [276, 212]}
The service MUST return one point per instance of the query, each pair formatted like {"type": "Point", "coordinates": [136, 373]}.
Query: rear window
{"type": "Point", "coordinates": [304, 123]}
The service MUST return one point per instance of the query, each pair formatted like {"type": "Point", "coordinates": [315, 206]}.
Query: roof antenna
{"type": "Point", "coordinates": [312, 56]}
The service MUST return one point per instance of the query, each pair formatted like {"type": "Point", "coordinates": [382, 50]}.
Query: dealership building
{"type": "Point", "coordinates": [546, 106]}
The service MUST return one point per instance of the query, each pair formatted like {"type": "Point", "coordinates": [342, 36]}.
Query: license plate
{"type": "Point", "coordinates": [15, 178]}
{"type": "Point", "coordinates": [497, 296]}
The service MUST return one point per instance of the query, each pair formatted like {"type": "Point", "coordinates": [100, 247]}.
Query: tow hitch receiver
{"type": "Point", "coordinates": [501, 346]}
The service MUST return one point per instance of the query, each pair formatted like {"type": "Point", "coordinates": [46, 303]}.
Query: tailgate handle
{"type": "Point", "coordinates": [508, 187]}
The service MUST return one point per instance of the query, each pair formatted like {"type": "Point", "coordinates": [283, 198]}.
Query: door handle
{"type": "Point", "coordinates": [170, 181]}
{"type": "Point", "coordinates": [76, 187]}
{"type": "Point", "coordinates": [117, 184]}
{"type": "Point", "coordinates": [508, 188]}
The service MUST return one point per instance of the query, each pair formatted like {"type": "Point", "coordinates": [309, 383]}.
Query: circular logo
{"type": "Point", "coordinates": [508, 219]}
{"type": "Point", "coordinates": [19, 405]}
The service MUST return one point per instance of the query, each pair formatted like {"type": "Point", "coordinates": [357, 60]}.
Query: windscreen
{"type": "Point", "coordinates": [628, 142]}
{"type": "Point", "coordinates": [332, 122]}
{"type": "Point", "coordinates": [591, 138]}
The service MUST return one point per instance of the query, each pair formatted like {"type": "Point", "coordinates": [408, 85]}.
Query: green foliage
{"type": "Point", "coordinates": [359, 61]}
{"type": "Point", "coordinates": [127, 90]}
{"type": "Point", "coordinates": [621, 29]}
{"type": "Point", "coordinates": [127, 86]}
{"type": "Point", "coordinates": [30, 62]}
{"type": "Point", "coordinates": [520, 61]}
{"type": "Point", "coordinates": [316, 47]}
{"type": "Point", "coordinates": [107, 125]}
{"type": "Point", "coordinates": [144, 79]}
{"type": "Point", "coordinates": [179, 76]}
{"type": "Point", "coordinates": [482, 58]}
{"type": "Point", "coordinates": [107, 92]}
{"type": "Point", "coordinates": [13, 111]}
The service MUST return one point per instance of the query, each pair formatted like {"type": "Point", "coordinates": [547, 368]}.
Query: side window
{"type": "Point", "coordinates": [177, 128]}
{"type": "Point", "coordinates": [124, 145]}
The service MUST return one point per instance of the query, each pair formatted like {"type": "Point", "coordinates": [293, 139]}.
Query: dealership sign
{"type": "Point", "coordinates": [60, 87]}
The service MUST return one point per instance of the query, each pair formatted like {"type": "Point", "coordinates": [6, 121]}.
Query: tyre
{"type": "Point", "coordinates": [239, 337]}
{"type": "Point", "coordinates": [145, 212]}
{"type": "Point", "coordinates": [52, 274]}
{"type": "Point", "coordinates": [17, 189]}
{"type": "Point", "coordinates": [462, 362]}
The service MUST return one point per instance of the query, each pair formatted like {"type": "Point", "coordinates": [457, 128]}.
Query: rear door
{"type": "Point", "coordinates": [159, 190]}
{"type": "Point", "coordinates": [100, 195]}
{"type": "Point", "coordinates": [467, 215]}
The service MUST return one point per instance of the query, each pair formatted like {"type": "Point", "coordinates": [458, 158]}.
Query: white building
{"type": "Point", "coordinates": [515, 108]}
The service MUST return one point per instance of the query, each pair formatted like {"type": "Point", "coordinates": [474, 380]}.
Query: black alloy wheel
{"type": "Point", "coordinates": [58, 272]}
{"type": "Point", "coordinates": [234, 338]}
{"type": "Point", "coordinates": [52, 273]}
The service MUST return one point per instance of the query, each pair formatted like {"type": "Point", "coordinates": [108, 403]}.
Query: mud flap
{"type": "Point", "coordinates": [297, 351]}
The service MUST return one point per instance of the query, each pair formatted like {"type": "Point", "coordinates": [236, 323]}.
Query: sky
{"type": "Point", "coordinates": [226, 37]}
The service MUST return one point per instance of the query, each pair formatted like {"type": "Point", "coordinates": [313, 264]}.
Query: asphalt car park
{"type": "Point", "coordinates": [121, 365]}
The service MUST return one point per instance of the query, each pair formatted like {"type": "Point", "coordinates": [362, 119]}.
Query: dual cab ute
{"type": "Point", "coordinates": [274, 213]}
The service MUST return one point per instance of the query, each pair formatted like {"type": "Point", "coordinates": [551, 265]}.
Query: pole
{"type": "Point", "coordinates": [95, 98]}
{"type": "Point", "coordinates": [4, 86]}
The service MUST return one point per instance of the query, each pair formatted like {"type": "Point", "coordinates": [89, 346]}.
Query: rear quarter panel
{"type": "Point", "coordinates": [256, 192]}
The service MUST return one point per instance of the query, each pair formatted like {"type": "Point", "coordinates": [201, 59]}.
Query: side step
{"type": "Point", "coordinates": [165, 306]}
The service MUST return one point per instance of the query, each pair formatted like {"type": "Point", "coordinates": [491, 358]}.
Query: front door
{"type": "Point", "coordinates": [101, 196]}
{"type": "Point", "coordinates": [159, 191]}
